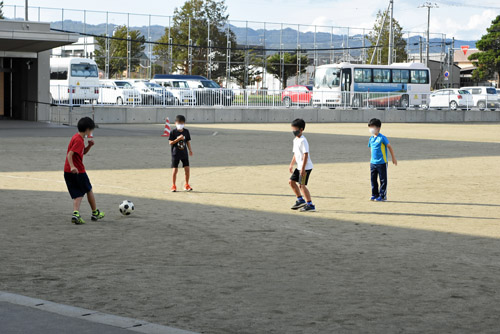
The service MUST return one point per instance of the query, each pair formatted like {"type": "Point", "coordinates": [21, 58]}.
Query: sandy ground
{"type": "Point", "coordinates": [231, 257]}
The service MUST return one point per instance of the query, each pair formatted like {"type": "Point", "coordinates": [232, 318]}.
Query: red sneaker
{"type": "Point", "coordinates": [187, 187]}
{"type": "Point", "coordinates": [173, 189]}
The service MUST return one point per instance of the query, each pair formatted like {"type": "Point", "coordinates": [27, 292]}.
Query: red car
{"type": "Point", "coordinates": [300, 95]}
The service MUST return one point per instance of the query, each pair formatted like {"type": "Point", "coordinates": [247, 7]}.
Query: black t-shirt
{"type": "Point", "coordinates": [179, 149]}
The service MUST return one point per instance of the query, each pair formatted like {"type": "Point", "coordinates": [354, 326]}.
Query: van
{"type": "Point", "coordinates": [180, 88]}
{"type": "Point", "coordinates": [484, 97]}
{"type": "Point", "coordinates": [74, 80]}
{"type": "Point", "coordinates": [118, 92]}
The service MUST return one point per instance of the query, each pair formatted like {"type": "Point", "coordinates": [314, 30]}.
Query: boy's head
{"type": "Point", "coordinates": [374, 124]}
{"type": "Point", "coordinates": [86, 125]}
{"type": "Point", "coordinates": [180, 121]}
{"type": "Point", "coordinates": [298, 126]}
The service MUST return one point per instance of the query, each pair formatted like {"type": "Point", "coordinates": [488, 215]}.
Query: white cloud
{"type": "Point", "coordinates": [473, 28]}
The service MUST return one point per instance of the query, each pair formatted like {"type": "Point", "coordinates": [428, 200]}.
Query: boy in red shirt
{"type": "Point", "coordinates": [76, 178]}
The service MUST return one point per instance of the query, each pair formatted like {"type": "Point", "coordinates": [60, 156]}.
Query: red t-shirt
{"type": "Point", "coordinates": [77, 145]}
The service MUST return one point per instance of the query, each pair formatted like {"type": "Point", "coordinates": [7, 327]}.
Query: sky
{"type": "Point", "coordinates": [461, 19]}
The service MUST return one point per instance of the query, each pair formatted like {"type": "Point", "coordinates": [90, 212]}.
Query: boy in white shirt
{"type": "Point", "coordinates": [301, 174]}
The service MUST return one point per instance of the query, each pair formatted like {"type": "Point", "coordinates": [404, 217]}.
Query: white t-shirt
{"type": "Point", "coordinates": [300, 147]}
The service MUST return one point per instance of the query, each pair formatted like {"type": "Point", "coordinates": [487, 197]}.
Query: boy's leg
{"type": "Point", "coordinates": [382, 170]}
{"type": "Point", "coordinates": [174, 175]}
{"type": "Point", "coordinates": [295, 188]}
{"type": "Point", "coordinates": [76, 203]}
{"type": "Point", "coordinates": [306, 193]}
{"type": "Point", "coordinates": [374, 180]}
{"type": "Point", "coordinates": [187, 173]}
{"type": "Point", "coordinates": [91, 199]}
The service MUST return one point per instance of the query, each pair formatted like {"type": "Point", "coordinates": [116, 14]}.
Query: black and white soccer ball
{"type": "Point", "coordinates": [127, 207]}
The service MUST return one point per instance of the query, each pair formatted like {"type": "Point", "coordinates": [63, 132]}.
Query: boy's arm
{"type": "Point", "coordinates": [303, 171]}
{"type": "Point", "coordinates": [87, 149]}
{"type": "Point", "coordinates": [189, 148]}
{"type": "Point", "coordinates": [176, 140]}
{"type": "Point", "coordinates": [292, 164]}
{"type": "Point", "coordinates": [74, 170]}
{"type": "Point", "coordinates": [394, 160]}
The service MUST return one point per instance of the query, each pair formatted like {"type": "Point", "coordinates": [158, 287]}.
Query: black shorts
{"type": "Point", "coordinates": [176, 160]}
{"type": "Point", "coordinates": [301, 180]}
{"type": "Point", "coordinates": [78, 184]}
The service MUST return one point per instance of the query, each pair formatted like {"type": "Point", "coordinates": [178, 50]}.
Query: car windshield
{"type": "Point", "coordinates": [180, 84]}
{"type": "Point", "coordinates": [327, 78]}
{"type": "Point", "coordinates": [152, 85]}
{"type": "Point", "coordinates": [84, 70]}
{"type": "Point", "coordinates": [123, 84]}
{"type": "Point", "coordinates": [463, 92]}
{"type": "Point", "coordinates": [491, 91]}
{"type": "Point", "coordinates": [209, 84]}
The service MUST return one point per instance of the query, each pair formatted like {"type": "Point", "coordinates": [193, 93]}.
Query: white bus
{"type": "Point", "coordinates": [74, 80]}
{"type": "Point", "coordinates": [358, 85]}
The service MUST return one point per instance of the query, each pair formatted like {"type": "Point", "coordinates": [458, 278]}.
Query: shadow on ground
{"type": "Point", "coordinates": [219, 270]}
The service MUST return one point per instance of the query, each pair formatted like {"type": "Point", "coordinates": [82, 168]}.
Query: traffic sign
{"type": "Point", "coordinates": [464, 49]}
{"type": "Point", "coordinates": [446, 75]}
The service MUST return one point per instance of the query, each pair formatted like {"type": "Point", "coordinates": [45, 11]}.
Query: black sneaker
{"type": "Point", "coordinates": [298, 205]}
{"type": "Point", "coordinates": [308, 208]}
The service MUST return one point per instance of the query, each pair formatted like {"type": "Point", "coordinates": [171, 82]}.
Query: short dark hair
{"type": "Point", "coordinates": [375, 122]}
{"type": "Point", "coordinates": [299, 123]}
{"type": "Point", "coordinates": [180, 118]}
{"type": "Point", "coordinates": [85, 124]}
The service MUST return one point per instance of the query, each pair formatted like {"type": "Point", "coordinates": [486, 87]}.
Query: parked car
{"type": "Point", "coordinates": [153, 94]}
{"type": "Point", "coordinates": [180, 88]}
{"type": "Point", "coordinates": [118, 92]}
{"type": "Point", "coordinates": [207, 91]}
{"type": "Point", "coordinates": [299, 95]}
{"type": "Point", "coordinates": [484, 97]}
{"type": "Point", "coordinates": [451, 98]}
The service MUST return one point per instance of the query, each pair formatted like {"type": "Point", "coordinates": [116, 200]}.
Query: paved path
{"type": "Point", "coordinates": [24, 315]}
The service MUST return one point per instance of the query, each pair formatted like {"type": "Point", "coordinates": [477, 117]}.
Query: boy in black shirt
{"type": "Point", "coordinates": [180, 143]}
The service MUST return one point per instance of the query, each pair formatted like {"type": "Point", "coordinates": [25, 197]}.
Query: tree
{"type": "Point", "coordinates": [118, 50]}
{"type": "Point", "coordinates": [488, 60]}
{"type": "Point", "coordinates": [289, 69]}
{"type": "Point", "coordinates": [239, 68]}
{"type": "Point", "coordinates": [203, 15]}
{"type": "Point", "coordinates": [399, 41]}
{"type": "Point", "coordinates": [1, 10]}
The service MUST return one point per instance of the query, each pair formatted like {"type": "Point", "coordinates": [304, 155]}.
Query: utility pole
{"type": "Point", "coordinates": [391, 35]}
{"type": "Point", "coordinates": [428, 5]}
{"type": "Point", "coordinates": [26, 10]}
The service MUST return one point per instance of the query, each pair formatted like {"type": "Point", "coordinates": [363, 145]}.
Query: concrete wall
{"type": "Point", "coordinates": [126, 115]}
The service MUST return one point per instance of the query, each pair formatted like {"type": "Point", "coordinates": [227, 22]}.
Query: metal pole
{"type": "Point", "coordinates": [428, 34]}
{"type": "Point", "coordinates": [452, 60]}
{"type": "Point", "coordinates": [420, 47]}
{"type": "Point", "coordinates": [149, 48]}
{"type": "Point", "coordinates": [26, 10]}
{"type": "Point", "coordinates": [129, 46]}
{"type": "Point", "coordinates": [379, 34]}
{"type": "Point", "coordinates": [84, 31]}
{"type": "Point", "coordinates": [364, 45]}
{"type": "Point", "coordinates": [209, 51]}
{"type": "Point", "coordinates": [246, 55]}
{"type": "Point", "coordinates": [264, 72]}
{"type": "Point", "coordinates": [106, 66]}
{"type": "Point", "coordinates": [391, 34]}
{"type": "Point", "coordinates": [190, 42]}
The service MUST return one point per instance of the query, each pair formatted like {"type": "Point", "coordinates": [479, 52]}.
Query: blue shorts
{"type": "Point", "coordinates": [78, 184]}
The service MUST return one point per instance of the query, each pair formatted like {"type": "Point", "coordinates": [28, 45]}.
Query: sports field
{"type": "Point", "coordinates": [231, 257]}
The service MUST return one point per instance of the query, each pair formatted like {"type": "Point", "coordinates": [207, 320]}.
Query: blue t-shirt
{"type": "Point", "coordinates": [378, 145]}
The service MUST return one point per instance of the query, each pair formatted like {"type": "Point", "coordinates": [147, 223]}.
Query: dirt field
{"type": "Point", "coordinates": [231, 257]}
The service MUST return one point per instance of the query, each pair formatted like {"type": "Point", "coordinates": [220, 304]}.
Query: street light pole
{"type": "Point", "coordinates": [391, 35]}
{"type": "Point", "coordinates": [428, 5]}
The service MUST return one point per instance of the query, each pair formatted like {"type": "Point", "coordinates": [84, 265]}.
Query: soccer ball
{"type": "Point", "coordinates": [127, 207]}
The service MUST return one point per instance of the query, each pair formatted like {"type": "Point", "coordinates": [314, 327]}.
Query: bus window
{"type": "Point", "coordinates": [58, 74]}
{"type": "Point", "coordinates": [380, 75]}
{"type": "Point", "coordinates": [83, 70]}
{"type": "Point", "coordinates": [362, 75]}
{"type": "Point", "coordinates": [396, 75]}
{"type": "Point", "coordinates": [405, 76]}
{"type": "Point", "coordinates": [327, 78]}
{"type": "Point", "coordinates": [420, 76]}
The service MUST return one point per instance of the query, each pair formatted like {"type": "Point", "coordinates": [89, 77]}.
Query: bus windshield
{"type": "Point", "coordinates": [84, 70]}
{"type": "Point", "coordinates": [327, 78]}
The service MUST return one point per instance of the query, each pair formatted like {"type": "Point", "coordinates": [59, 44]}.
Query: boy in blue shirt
{"type": "Point", "coordinates": [378, 163]}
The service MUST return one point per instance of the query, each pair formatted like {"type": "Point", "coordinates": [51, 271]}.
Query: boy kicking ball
{"type": "Point", "coordinates": [378, 163]}
{"type": "Point", "coordinates": [304, 167]}
{"type": "Point", "coordinates": [180, 143]}
{"type": "Point", "coordinates": [76, 178]}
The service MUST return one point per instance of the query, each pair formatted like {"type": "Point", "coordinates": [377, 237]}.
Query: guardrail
{"type": "Point", "coordinates": [259, 98]}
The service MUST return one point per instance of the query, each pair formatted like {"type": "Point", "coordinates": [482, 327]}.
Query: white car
{"type": "Point", "coordinates": [180, 88]}
{"type": "Point", "coordinates": [118, 92]}
{"type": "Point", "coordinates": [153, 94]}
{"type": "Point", "coordinates": [484, 97]}
{"type": "Point", "coordinates": [451, 98]}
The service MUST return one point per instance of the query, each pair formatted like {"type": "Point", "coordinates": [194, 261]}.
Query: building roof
{"type": "Point", "coordinates": [460, 57]}
{"type": "Point", "coordinates": [27, 37]}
